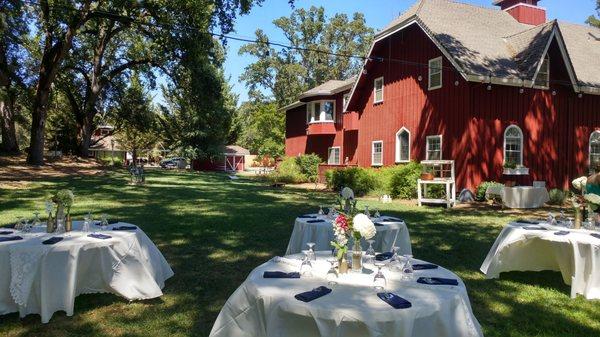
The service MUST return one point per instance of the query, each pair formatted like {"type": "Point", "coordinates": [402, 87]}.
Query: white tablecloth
{"type": "Point", "coordinates": [525, 196]}
{"type": "Point", "coordinates": [392, 233]}
{"type": "Point", "coordinates": [576, 255]}
{"type": "Point", "coordinates": [267, 307]}
{"type": "Point", "coordinates": [42, 279]}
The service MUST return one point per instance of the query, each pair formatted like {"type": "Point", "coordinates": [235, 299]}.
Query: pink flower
{"type": "Point", "coordinates": [342, 223]}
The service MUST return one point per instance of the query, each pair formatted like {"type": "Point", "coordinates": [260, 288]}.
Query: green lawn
{"type": "Point", "coordinates": [214, 231]}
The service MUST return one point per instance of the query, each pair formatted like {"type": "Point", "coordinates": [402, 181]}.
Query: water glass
{"type": "Point", "coordinates": [86, 223]}
{"type": "Point", "coordinates": [321, 212]}
{"type": "Point", "coordinates": [60, 225]}
{"type": "Point", "coordinates": [370, 253]}
{"type": "Point", "coordinates": [311, 252]}
{"type": "Point", "coordinates": [379, 281]}
{"type": "Point", "coordinates": [367, 213]}
{"type": "Point", "coordinates": [306, 266]}
{"type": "Point", "coordinates": [104, 222]}
{"type": "Point", "coordinates": [377, 214]}
{"type": "Point", "coordinates": [332, 274]}
{"type": "Point", "coordinates": [407, 270]}
{"type": "Point", "coordinates": [36, 219]}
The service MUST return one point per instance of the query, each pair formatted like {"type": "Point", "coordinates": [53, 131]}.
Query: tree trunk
{"type": "Point", "coordinates": [35, 156]}
{"type": "Point", "coordinates": [7, 124]}
{"type": "Point", "coordinates": [87, 129]}
{"type": "Point", "coordinates": [134, 156]}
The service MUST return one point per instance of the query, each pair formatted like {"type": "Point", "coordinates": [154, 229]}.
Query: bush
{"type": "Point", "coordinates": [309, 166]}
{"type": "Point", "coordinates": [361, 181]}
{"type": "Point", "coordinates": [480, 195]}
{"type": "Point", "coordinates": [557, 197]}
{"type": "Point", "coordinates": [403, 180]}
{"type": "Point", "coordinates": [288, 172]}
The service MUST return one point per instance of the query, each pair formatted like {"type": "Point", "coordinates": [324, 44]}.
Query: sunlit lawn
{"type": "Point", "coordinates": [214, 231]}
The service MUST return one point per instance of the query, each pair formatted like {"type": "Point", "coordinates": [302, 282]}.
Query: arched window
{"type": "Point", "coordinates": [402, 145]}
{"type": "Point", "coordinates": [513, 146]}
{"type": "Point", "coordinates": [594, 149]}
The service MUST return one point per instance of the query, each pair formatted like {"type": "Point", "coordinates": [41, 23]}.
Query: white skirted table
{"type": "Point", "coordinates": [318, 229]}
{"type": "Point", "coordinates": [537, 247]}
{"type": "Point", "coordinates": [525, 196]}
{"type": "Point", "coordinates": [42, 279]}
{"type": "Point", "coordinates": [263, 307]}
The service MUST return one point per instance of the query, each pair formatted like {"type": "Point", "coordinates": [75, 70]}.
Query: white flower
{"type": "Point", "coordinates": [363, 225]}
{"type": "Point", "coordinates": [342, 239]}
{"type": "Point", "coordinates": [347, 193]}
{"type": "Point", "coordinates": [579, 183]}
{"type": "Point", "coordinates": [592, 198]}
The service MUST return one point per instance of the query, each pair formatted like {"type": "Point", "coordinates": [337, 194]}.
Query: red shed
{"type": "Point", "coordinates": [232, 160]}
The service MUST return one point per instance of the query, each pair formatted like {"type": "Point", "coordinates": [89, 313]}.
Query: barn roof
{"type": "Point", "coordinates": [328, 88]}
{"type": "Point", "coordinates": [235, 149]}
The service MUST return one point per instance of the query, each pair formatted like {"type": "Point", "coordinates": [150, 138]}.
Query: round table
{"type": "Point", "coordinates": [267, 307]}
{"type": "Point", "coordinates": [319, 230]}
{"type": "Point", "coordinates": [42, 279]}
{"type": "Point", "coordinates": [537, 247]}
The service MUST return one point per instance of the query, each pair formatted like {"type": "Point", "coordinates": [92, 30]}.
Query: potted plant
{"type": "Point", "coordinates": [427, 173]}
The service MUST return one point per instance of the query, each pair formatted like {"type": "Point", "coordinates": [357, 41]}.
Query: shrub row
{"type": "Point", "coordinates": [295, 170]}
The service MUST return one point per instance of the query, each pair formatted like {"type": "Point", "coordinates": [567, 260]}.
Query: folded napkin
{"type": "Point", "coordinates": [99, 236]}
{"type": "Point", "coordinates": [423, 266]}
{"type": "Point", "coordinates": [394, 300]}
{"type": "Point", "coordinates": [10, 238]}
{"type": "Point", "coordinates": [597, 236]}
{"type": "Point", "coordinates": [379, 224]}
{"type": "Point", "coordinates": [280, 274]}
{"type": "Point", "coordinates": [52, 240]}
{"type": "Point", "coordinates": [5, 232]}
{"type": "Point", "coordinates": [384, 256]}
{"type": "Point", "coordinates": [307, 216]}
{"type": "Point", "coordinates": [315, 221]}
{"type": "Point", "coordinates": [531, 222]}
{"type": "Point", "coordinates": [534, 228]}
{"type": "Point", "coordinates": [313, 294]}
{"type": "Point", "coordinates": [124, 228]}
{"type": "Point", "coordinates": [562, 233]}
{"type": "Point", "coordinates": [437, 281]}
{"type": "Point", "coordinates": [392, 219]}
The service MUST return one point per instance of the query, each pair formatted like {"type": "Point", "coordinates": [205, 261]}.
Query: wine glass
{"type": "Point", "coordinates": [60, 225]}
{"type": "Point", "coordinates": [332, 274]}
{"type": "Point", "coordinates": [311, 251]}
{"type": "Point", "coordinates": [104, 222]}
{"type": "Point", "coordinates": [306, 266]}
{"type": "Point", "coordinates": [407, 270]}
{"type": "Point", "coordinates": [377, 214]}
{"type": "Point", "coordinates": [36, 219]}
{"type": "Point", "coordinates": [19, 224]}
{"type": "Point", "coordinates": [26, 227]}
{"type": "Point", "coordinates": [379, 281]}
{"type": "Point", "coordinates": [321, 212]}
{"type": "Point", "coordinates": [86, 223]}
{"type": "Point", "coordinates": [370, 253]}
{"type": "Point", "coordinates": [367, 213]}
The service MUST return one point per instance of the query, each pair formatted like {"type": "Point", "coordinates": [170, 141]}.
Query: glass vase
{"type": "Point", "coordinates": [343, 265]}
{"type": "Point", "coordinates": [357, 256]}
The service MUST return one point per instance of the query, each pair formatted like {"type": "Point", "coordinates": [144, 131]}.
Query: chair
{"type": "Point", "coordinates": [539, 184]}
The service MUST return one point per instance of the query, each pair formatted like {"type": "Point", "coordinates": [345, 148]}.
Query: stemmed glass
{"type": "Point", "coordinates": [407, 270]}
{"type": "Point", "coordinates": [86, 222]}
{"type": "Point", "coordinates": [367, 213]}
{"type": "Point", "coordinates": [377, 214]}
{"type": "Point", "coordinates": [332, 274]}
{"type": "Point", "coordinates": [60, 225]}
{"type": "Point", "coordinates": [370, 253]}
{"type": "Point", "coordinates": [36, 219]}
{"type": "Point", "coordinates": [26, 226]}
{"type": "Point", "coordinates": [311, 251]}
{"type": "Point", "coordinates": [19, 224]}
{"type": "Point", "coordinates": [321, 210]}
{"type": "Point", "coordinates": [395, 259]}
{"type": "Point", "coordinates": [104, 222]}
{"type": "Point", "coordinates": [306, 266]}
{"type": "Point", "coordinates": [379, 281]}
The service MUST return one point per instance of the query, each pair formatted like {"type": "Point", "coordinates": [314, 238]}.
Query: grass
{"type": "Point", "coordinates": [214, 231]}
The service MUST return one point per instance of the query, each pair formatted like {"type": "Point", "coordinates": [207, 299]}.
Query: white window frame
{"type": "Point", "coordinates": [435, 70]}
{"type": "Point", "coordinates": [375, 101]}
{"type": "Point", "coordinates": [591, 168]}
{"type": "Point", "coordinates": [398, 159]}
{"type": "Point", "coordinates": [546, 73]}
{"type": "Point", "coordinates": [339, 155]}
{"type": "Point", "coordinates": [310, 106]}
{"type": "Point", "coordinates": [373, 163]}
{"type": "Point", "coordinates": [427, 146]}
{"type": "Point", "coordinates": [521, 145]}
{"type": "Point", "coordinates": [345, 100]}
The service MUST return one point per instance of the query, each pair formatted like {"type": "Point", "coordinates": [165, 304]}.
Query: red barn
{"type": "Point", "coordinates": [481, 86]}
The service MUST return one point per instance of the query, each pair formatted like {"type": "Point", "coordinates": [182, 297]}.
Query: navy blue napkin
{"type": "Point", "coordinates": [562, 233]}
{"type": "Point", "coordinates": [379, 224]}
{"type": "Point", "coordinates": [392, 219]}
{"type": "Point", "coordinates": [531, 222]}
{"type": "Point", "coordinates": [394, 300]}
{"type": "Point", "coordinates": [534, 228]}
{"type": "Point", "coordinates": [313, 294]}
{"type": "Point", "coordinates": [5, 232]}
{"type": "Point", "coordinates": [597, 236]}
{"type": "Point", "coordinates": [384, 256]}
{"type": "Point", "coordinates": [125, 228]}
{"type": "Point", "coordinates": [52, 240]}
{"type": "Point", "coordinates": [424, 266]}
{"type": "Point", "coordinates": [315, 221]}
{"type": "Point", "coordinates": [280, 274]}
{"type": "Point", "coordinates": [307, 216]}
{"type": "Point", "coordinates": [437, 281]}
{"type": "Point", "coordinates": [99, 236]}
{"type": "Point", "coordinates": [112, 222]}
{"type": "Point", "coordinates": [10, 238]}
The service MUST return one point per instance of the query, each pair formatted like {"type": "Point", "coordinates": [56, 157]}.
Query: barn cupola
{"type": "Point", "coordinates": [524, 11]}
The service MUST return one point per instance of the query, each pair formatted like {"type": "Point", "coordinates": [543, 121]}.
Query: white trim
{"type": "Point", "coordinates": [373, 152]}
{"type": "Point", "coordinates": [339, 156]}
{"type": "Point", "coordinates": [398, 160]}
{"type": "Point", "coordinates": [429, 74]}
{"type": "Point", "coordinates": [526, 5]}
{"type": "Point", "coordinates": [310, 109]}
{"type": "Point", "coordinates": [345, 101]}
{"type": "Point", "coordinates": [566, 57]}
{"type": "Point", "coordinates": [427, 146]}
{"type": "Point", "coordinates": [547, 86]}
{"type": "Point", "coordinates": [504, 144]}
{"type": "Point", "coordinates": [590, 149]}
{"type": "Point", "coordinates": [375, 101]}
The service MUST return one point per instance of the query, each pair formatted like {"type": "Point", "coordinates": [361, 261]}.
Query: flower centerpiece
{"type": "Point", "coordinates": [64, 199]}
{"type": "Point", "coordinates": [578, 200]}
{"type": "Point", "coordinates": [350, 224]}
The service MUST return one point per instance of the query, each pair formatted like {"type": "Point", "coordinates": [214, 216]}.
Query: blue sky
{"type": "Point", "coordinates": [378, 13]}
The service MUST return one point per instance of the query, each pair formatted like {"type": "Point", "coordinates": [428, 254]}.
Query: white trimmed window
{"type": "Point", "coordinates": [594, 149]}
{"type": "Point", "coordinates": [320, 111]}
{"type": "Point", "coordinates": [377, 153]}
{"type": "Point", "coordinates": [402, 145]}
{"type": "Point", "coordinates": [434, 148]}
{"type": "Point", "coordinates": [378, 90]}
{"type": "Point", "coordinates": [543, 77]}
{"type": "Point", "coordinates": [435, 73]}
{"type": "Point", "coordinates": [333, 157]}
{"type": "Point", "coordinates": [513, 146]}
{"type": "Point", "coordinates": [345, 100]}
